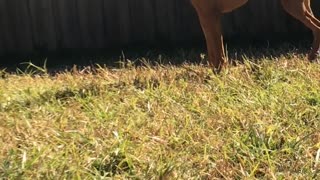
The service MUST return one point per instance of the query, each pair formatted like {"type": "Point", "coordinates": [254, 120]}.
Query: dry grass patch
{"type": "Point", "coordinates": [255, 120]}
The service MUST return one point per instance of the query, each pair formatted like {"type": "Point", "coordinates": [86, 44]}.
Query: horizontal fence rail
{"type": "Point", "coordinates": [30, 25]}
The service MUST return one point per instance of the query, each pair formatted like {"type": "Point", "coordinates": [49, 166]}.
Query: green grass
{"type": "Point", "coordinates": [255, 120]}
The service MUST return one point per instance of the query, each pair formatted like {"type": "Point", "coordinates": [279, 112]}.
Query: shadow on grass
{"type": "Point", "coordinates": [237, 51]}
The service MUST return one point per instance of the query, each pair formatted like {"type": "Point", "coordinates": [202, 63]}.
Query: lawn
{"type": "Point", "coordinates": [258, 119]}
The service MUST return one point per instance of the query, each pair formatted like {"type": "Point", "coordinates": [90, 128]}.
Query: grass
{"type": "Point", "coordinates": [259, 119]}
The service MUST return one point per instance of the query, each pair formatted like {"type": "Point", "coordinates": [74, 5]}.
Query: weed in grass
{"type": "Point", "coordinates": [116, 163]}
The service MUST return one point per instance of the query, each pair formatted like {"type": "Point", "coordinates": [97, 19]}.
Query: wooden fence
{"type": "Point", "coordinates": [29, 25]}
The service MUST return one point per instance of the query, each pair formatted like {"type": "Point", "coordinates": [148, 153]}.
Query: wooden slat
{"type": "Point", "coordinates": [117, 23]}
{"type": "Point", "coordinates": [6, 44]}
{"type": "Point", "coordinates": [21, 25]}
{"type": "Point", "coordinates": [43, 26]}
{"type": "Point", "coordinates": [172, 20]}
{"type": "Point", "coordinates": [90, 13]}
{"type": "Point", "coordinates": [68, 23]}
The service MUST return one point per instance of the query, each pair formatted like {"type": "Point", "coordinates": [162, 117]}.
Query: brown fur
{"type": "Point", "coordinates": [210, 12]}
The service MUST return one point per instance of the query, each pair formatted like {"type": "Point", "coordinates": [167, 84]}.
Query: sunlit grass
{"type": "Point", "coordinates": [256, 120]}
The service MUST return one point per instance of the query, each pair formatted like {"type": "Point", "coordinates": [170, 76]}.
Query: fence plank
{"type": "Point", "coordinates": [90, 14]}
{"type": "Point", "coordinates": [6, 44]}
{"type": "Point", "coordinates": [22, 30]}
{"type": "Point", "coordinates": [16, 26]}
{"type": "Point", "coordinates": [142, 20]}
{"type": "Point", "coordinates": [43, 24]}
{"type": "Point", "coordinates": [68, 23]}
{"type": "Point", "coordinates": [117, 22]}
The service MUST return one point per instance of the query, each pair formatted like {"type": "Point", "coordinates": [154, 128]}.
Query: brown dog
{"type": "Point", "coordinates": [210, 12]}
